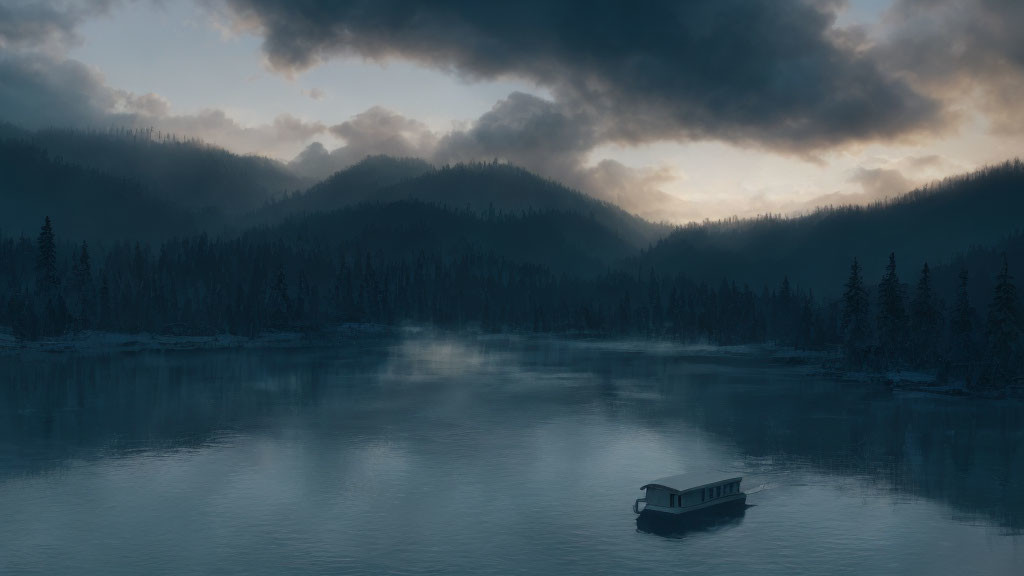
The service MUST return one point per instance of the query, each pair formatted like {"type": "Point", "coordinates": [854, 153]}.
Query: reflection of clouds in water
{"type": "Point", "coordinates": [475, 360]}
{"type": "Point", "coordinates": [430, 358]}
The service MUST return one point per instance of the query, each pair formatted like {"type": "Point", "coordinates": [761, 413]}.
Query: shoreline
{"type": "Point", "coordinates": [91, 342]}
{"type": "Point", "coordinates": [821, 363]}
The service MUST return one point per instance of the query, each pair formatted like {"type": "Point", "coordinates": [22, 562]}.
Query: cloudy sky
{"type": "Point", "coordinates": [677, 111]}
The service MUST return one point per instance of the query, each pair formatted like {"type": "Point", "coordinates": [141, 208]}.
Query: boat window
{"type": "Point", "coordinates": [703, 496]}
{"type": "Point", "coordinates": [718, 491]}
{"type": "Point", "coordinates": [671, 500]}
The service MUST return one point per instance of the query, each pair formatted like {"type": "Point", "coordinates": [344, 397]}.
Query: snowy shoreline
{"type": "Point", "coordinates": [94, 342]}
{"type": "Point", "coordinates": [818, 363]}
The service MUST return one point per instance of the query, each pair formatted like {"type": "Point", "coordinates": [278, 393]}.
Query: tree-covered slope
{"type": "Point", "coordinates": [480, 188]}
{"type": "Point", "coordinates": [85, 204]}
{"type": "Point", "coordinates": [563, 242]}
{"type": "Point", "coordinates": [188, 173]}
{"type": "Point", "coordinates": [932, 224]}
{"type": "Point", "coordinates": [359, 183]}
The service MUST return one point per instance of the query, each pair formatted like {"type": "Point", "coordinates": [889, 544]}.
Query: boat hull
{"type": "Point", "coordinates": [681, 525]}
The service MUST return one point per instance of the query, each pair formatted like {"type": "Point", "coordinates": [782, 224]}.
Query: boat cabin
{"type": "Point", "coordinates": [689, 492]}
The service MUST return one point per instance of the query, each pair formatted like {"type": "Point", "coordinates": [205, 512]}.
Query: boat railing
{"type": "Point", "coordinates": [636, 505]}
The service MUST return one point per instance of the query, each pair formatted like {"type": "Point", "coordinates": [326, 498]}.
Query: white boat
{"type": "Point", "coordinates": [691, 492]}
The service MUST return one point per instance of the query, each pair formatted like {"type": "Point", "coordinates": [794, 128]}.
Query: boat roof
{"type": "Point", "coordinates": [691, 480]}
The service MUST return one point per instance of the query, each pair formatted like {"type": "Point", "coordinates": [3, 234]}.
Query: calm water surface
{"type": "Point", "coordinates": [438, 455]}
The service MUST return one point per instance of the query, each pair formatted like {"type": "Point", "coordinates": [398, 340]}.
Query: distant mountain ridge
{"type": "Point", "coordinates": [134, 185]}
{"type": "Point", "coordinates": [187, 172]}
{"type": "Point", "coordinates": [481, 188]}
{"type": "Point", "coordinates": [563, 242]}
{"type": "Point", "coordinates": [358, 183]}
{"type": "Point", "coordinates": [85, 204]}
{"type": "Point", "coordinates": [932, 224]}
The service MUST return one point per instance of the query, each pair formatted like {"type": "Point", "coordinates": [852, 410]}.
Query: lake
{"type": "Point", "coordinates": [434, 454]}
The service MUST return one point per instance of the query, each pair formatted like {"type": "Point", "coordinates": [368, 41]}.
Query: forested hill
{"type": "Point", "coordinates": [356, 184]}
{"type": "Point", "coordinates": [982, 263]}
{"type": "Point", "coordinates": [222, 191]}
{"type": "Point", "coordinates": [186, 172]}
{"type": "Point", "coordinates": [486, 189]}
{"type": "Point", "coordinates": [932, 224]}
{"type": "Point", "coordinates": [561, 242]}
{"type": "Point", "coordinates": [90, 205]}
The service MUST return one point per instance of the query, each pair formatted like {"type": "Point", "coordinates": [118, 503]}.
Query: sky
{"type": "Point", "coordinates": [677, 111]}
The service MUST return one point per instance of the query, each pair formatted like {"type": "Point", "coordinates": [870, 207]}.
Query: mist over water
{"type": "Point", "coordinates": [428, 454]}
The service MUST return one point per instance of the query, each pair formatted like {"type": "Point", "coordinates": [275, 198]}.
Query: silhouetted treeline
{"type": "Point", "coordinates": [898, 325]}
{"type": "Point", "coordinates": [257, 283]}
{"type": "Point", "coordinates": [290, 279]}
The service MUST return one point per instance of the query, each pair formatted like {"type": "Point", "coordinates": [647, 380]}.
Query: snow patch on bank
{"type": "Point", "coordinates": [93, 342]}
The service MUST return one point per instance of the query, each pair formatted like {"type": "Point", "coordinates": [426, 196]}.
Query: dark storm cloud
{"type": "Point", "coordinates": [748, 71]}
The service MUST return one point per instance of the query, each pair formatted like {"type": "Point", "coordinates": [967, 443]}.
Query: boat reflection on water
{"type": "Point", "coordinates": [681, 525]}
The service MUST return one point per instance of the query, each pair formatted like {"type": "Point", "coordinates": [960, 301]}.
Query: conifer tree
{"type": "Point", "coordinates": [925, 320]}
{"type": "Point", "coordinates": [675, 311]}
{"type": "Point", "coordinates": [892, 318]}
{"type": "Point", "coordinates": [106, 320]}
{"type": "Point", "coordinates": [47, 281]}
{"type": "Point", "coordinates": [1003, 331]}
{"type": "Point", "coordinates": [279, 300]}
{"type": "Point", "coordinates": [785, 313]}
{"type": "Point", "coordinates": [654, 303]}
{"type": "Point", "coordinates": [83, 268]}
{"type": "Point", "coordinates": [855, 328]}
{"type": "Point", "coordinates": [625, 314]}
{"type": "Point", "coordinates": [961, 329]}
{"type": "Point", "coordinates": [83, 287]}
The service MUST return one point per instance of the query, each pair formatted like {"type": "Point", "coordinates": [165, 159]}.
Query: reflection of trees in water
{"type": "Point", "coordinates": [963, 452]}
{"type": "Point", "coordinates": [966, 453]}
{"type": "Point", "coordinates": [65, 407]}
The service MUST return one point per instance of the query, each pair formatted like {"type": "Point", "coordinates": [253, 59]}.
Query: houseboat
{"type": "Point", "coordinates": [691, 492]}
